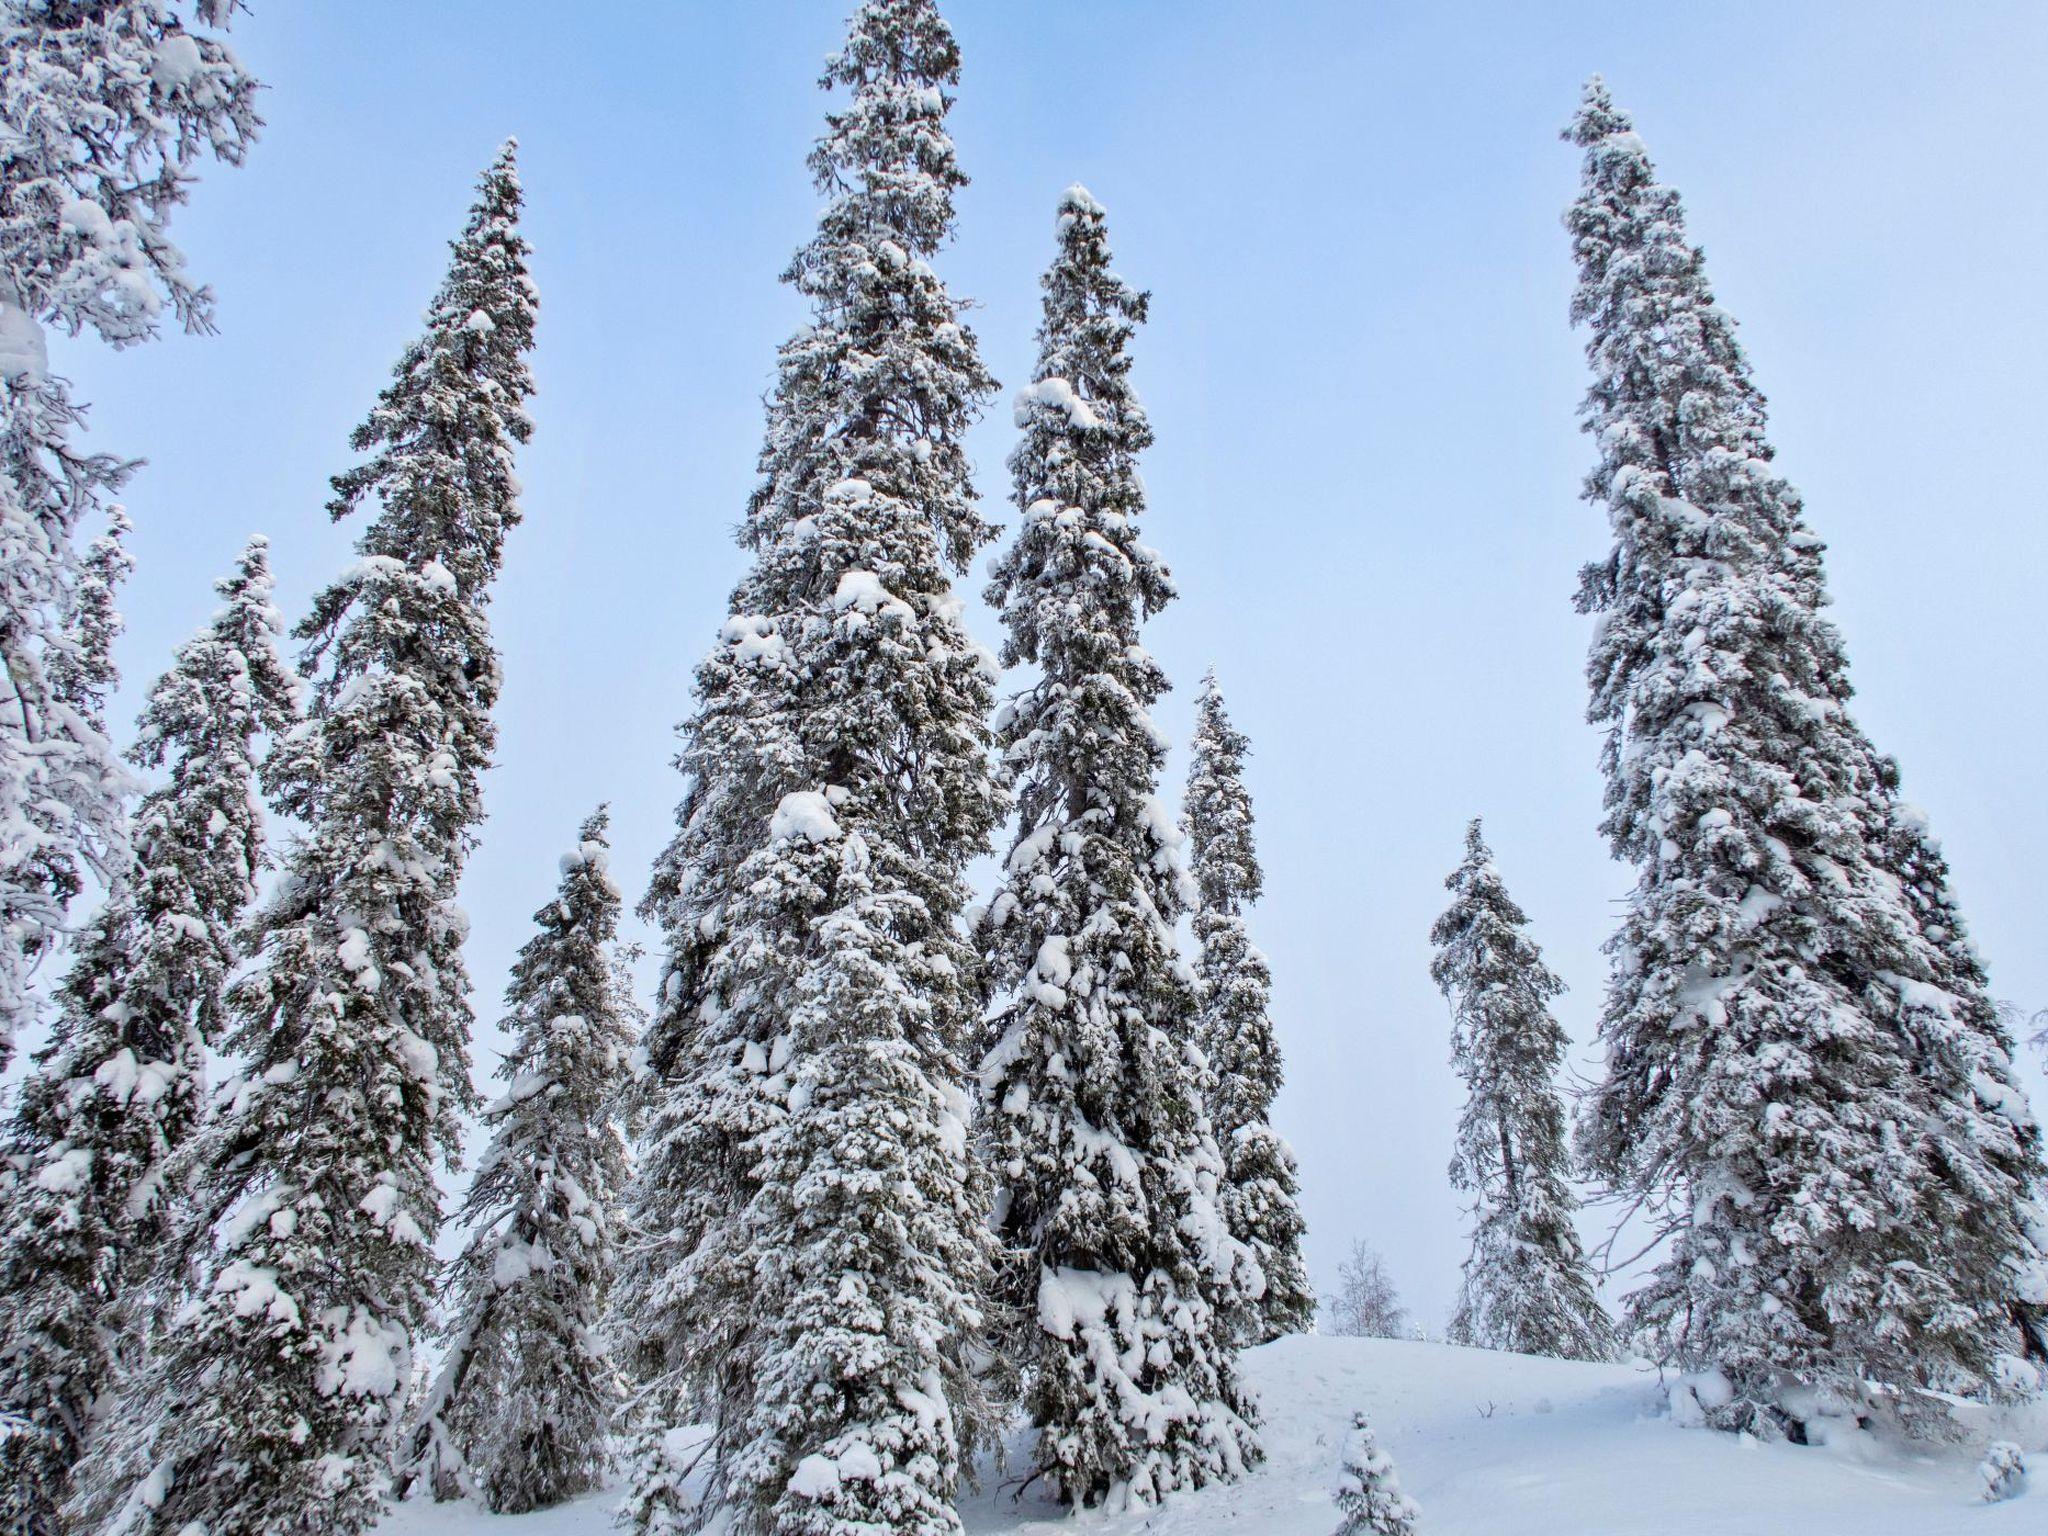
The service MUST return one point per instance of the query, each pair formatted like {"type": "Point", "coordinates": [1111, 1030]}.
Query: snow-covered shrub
{"type": "Point", "coordinates": [2004, 1470]}
{"type": "Point", "coordinates": [1368, 1493]}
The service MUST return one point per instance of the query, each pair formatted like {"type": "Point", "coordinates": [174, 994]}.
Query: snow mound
{"type": "Point", "coordinates": [1487, 1445]}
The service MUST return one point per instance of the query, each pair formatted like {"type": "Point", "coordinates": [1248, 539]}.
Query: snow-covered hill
{"type": "Point", "coordinates": [1492, 1445]}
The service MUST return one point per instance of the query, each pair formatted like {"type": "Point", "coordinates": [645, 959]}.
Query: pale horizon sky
{"type": "Point", "coordinates": [1359, 369]}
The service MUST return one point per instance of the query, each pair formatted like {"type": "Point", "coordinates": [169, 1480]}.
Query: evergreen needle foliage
{"type": "Point", "coordinates": [521, 1412]}
{"type": "Point", "coordinates": [811, 1247]}
{"type": "Point", "coordinates": [1527, 1286]}
{"type": "Point", "coordinates": [119, 1088]}
{"type": "Point", "coordinates": [106, 106]}
{"type": "Point", "coordinates": [273, 1404]}
{"type": "Point", "coordinates": [1369, 1494]}
{"type": "Point", "coordinates": [1236, 1027]}
{"type": "Point", "coordinates": [1805, 1078]}
{"type": "Point", "coordinates": [1119, 1267]}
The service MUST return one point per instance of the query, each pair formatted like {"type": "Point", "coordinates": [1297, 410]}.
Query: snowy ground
{"type": "Point", "coordinates": [1493, 1445]}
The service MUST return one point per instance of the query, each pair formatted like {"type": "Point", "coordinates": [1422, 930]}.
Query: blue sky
{"type": "Point", "coordinates": [1360, 372]}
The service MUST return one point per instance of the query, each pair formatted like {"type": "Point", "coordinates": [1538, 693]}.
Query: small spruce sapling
{"type": "Point", "coordinates": [1368, 1493]}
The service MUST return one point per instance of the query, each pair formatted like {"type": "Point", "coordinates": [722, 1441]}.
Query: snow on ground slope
{"type": "Point", "coordinates": [1489, 1445]}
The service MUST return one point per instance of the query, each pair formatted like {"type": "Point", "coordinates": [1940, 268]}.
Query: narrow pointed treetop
{"type": "Point", "coordinates": [441, 437]}
{"type": "Point", "coordinates": [1221, 853]}
{"type": "Point", "coordinates": [1077, 485]}
{"type": "Point", "coordinates": [521, 1413]}
{"type": "Point", "coordinates": [277, 1393]}
{"type": "Point", "coordinates": [1882, 1223]}
{"type": "Point", "coordinates": [1235, 1029]}
{"type": "Point", "coordinates": [82, 673]}
{"type": "Point", "coordinates": [118, 1089]}
{"type": "Point", "coordinates": [814, 1245]}
{"type": "Point", "coordinates": [1528, 1287]}
{"type": "Point", "coordinates": [1122, 1273]}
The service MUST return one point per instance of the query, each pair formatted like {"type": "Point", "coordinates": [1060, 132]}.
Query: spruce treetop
{"type": "Point", "coordinates": [562, 970]}
{"type": "Point", "coordinates": [198, 836]}
{"type": "Point", "coordinates": [1235, 1027]}
{"type": "Point", "coordinates": [888, 152]}
{"type": "Point", "coordinates": [1484, 954]}
{"type": "Point", "coordinates": [229, 671]}
{"type": "Point", "coordinates": [521, 1411]}
{"type": "Point", "coordinates": [442, 434]}
{"type": "Point", "coordinates": [228, 684]}
{"type": "Point", "coordinates": [386, 769]}
{"type": "Point", "coordinates": [879, 390]}
{"type": "Point", "coordinates": [1221, 850]}
{"type": "Point", "coordinates": [1527, 1284]}
{"type": "Point", "coordinates": [1076, 583]}
{"type": "Point", "coordinates": [1369, 1490]}
{"type": "Point", "coordinates": [82, 672]}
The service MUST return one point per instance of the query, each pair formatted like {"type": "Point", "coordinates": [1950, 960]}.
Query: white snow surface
{"type": "Point", "coordinates": [23, 349]}
{"type": "Point", "coordinates": [1488, 1445]}
{"type": "Point", "coordinates": [805, 813]}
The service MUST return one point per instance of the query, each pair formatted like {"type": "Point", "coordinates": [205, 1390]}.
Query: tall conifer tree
{"type": "Point", "coordinates": [106, 106]}
{"type": "Point", "coordinates": [118, 1089]}
{"type": "Point", "coordinates": [274, 1403]}
{"type": "Point", "coordinates": [812, 1232]}
{"type": "Point", "coordinates": [1118, 1259]}
{"type": "Point", "coordinates": [1527, 1286]}
{"type": "Point", "coordinates": [1804, 1076]}
{"type": "Point", "coordinates": [1236, 1026]}
{"type": "Point", "coordinates": [521, 1412]}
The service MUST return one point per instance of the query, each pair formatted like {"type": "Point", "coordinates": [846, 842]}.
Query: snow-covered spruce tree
{"type": "Point", "coordinates": [1804, 1077]}
{"type": "Point", "coordinates": [1118, 1262]}
{"type": "Point", "coordinates": [522, 1409]}
{"type": "Point", "coordinates": [106, 106]}
{"type": "Point", "coordinates": [83, 674]}
{"type": "Point", "coordinates": [1369, 1494]}
{"type": "Point", "coordinates": [273, 1403]}
{"type": "Point", "coordinates": [118, 1088]}
{"type": "Point", "coordinates": [1236, 1028]}
{"type": "Point", "coordinates": [1528, 1287]}
{"type": "Point", "coordinates": [810, 1234]}
{"type": "Point", "coordinates": [1365, 1304]}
